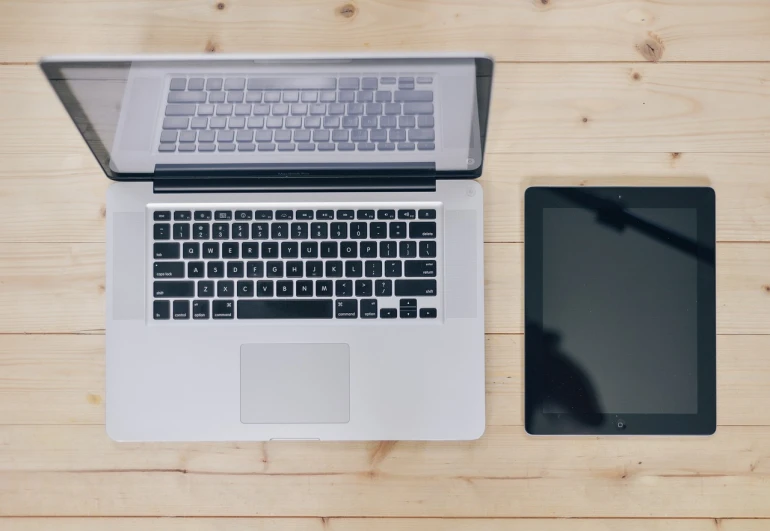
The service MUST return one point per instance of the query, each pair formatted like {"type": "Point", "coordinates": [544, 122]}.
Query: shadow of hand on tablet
{"type": "Point", "coordinates": [575, 396]}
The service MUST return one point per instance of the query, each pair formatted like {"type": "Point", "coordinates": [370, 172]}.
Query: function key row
{"type": "Point", "coordinates": [304, 83]}
{"type": "Point", "coordinates": [228, 215]}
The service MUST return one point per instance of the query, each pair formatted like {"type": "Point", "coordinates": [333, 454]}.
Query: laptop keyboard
{"type": "Point", "coordinates": [229, 114]}
{"type": "Point", "coordinates": [296, 263]}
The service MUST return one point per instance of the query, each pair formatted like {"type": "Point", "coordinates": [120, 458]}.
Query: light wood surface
{"type": "Point", "coordinates": [588, 92]}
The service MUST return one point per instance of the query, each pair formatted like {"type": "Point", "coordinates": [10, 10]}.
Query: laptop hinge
{"type": "Point", "coordinates": [421, 183]}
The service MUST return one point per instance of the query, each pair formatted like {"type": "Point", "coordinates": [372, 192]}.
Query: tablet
{"type": "Point", "coordinates": [620, 311]}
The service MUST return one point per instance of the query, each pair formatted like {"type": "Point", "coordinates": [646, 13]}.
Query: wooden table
{"type": "Point", "coordinates": [588, 92]}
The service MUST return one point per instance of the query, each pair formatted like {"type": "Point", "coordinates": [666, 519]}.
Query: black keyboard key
{"type": "Point", "coordinates": [289, 249]}
{"type": "Point", "coordinates": [161, 310]}
{"type": "Point", "coordinates": [203, 215]}
{"type": "Point", "coordinates": [181, 309]}
{"type": "Point", "coordinates": [373, 268]}
{"type": "Point", "coordinates": [323, 288]}
{"type": "Point", "coordinates": [420, 268]}
{"type": "Point", "coordinates": [196, 270]}
{"type": "Point", "coordinates": [250, 250]}
{"type": "Point", "coordinates": [386, 214]}
{"type": "Point", "coordinates": [363, 288]}
{"type": "Point", "coordinates": [392, 268]}
{"type": "Point", "coordinates": [408, 314]}
{"type": "Point", "coordinates": [354, 269]}
{"type": "Point", "coordinates": [200, 310]}
{"type": "Point", "coordinates": [279, 231]}
{"type": "Point", "coordinates": [245, 288]}
{"type": "Point", "coordinates": [263, 214]}
{"type": "Point", "coordinates": [201, 231]}
{"type": "Point", "coordinates": [304, 214]}
{"type": "Point", "coordinates": [324, 214]}
{"type": "Point", "coordinates": [378, 230]}
{"type": "Point", "coordinates": [407, 249]}
{"type": "Point", "coordinates": [388, 250]}
{"type": "Point", "coordinates": [339, 231]}
{"type": "Point", "coordinates": [223, 309]}
{"type": "Point", "coordinates": [319, 231]}
{"type": "Point", "coordinates": [275, 269]}
{"type": "Point", "coordinates": [211, 250]}
{"type": "Point", "coordinates": [299, 231]}
{"type": "Point", "coordinates": [191, 250]}
{"type": "Point", "coordinates": [388, 313]}
{"type": "Point", "coordinates": [223, 215]}
{"type": "Point", "coordinates": [241, 231]}
{"type": "Point", "coordinates": [383, 288]}
{"type": "Point", "coordinates": [182, 215]}
{"type": "Point", "coordinates": [260, 231]}
{"type": "Point", "coordinates": [309, 249]}
{"type": "Point", "coordinates": [365, 214]}
{"type": "Point", "coordinates": [294, 269]}
{"type": "Point", "coordinates": [165, 251]}
{"type": "Point", "coordinates": [243, 215]}
{"type": "Point", "coordinates": [168, 269]}
{"type": "Point", "coordinates": [234, 269]}
{"type": "Point", "coordinates": [369, 309]}
{"type": "Point", "coordinates": [333, 268]}
{"type": "Point", "coordinates": [407, 214]}
{"type": "Point", "coordinates": [314, 269]}
{"type": "Point", "coordinates": [161, 231]}
{"type": "Point", "coordinates": [368, 249]}
{"type": "Point", "coordinates": [428, 313]}
{"type": "Point", "coordinates": [426, 214]}
{"type": "Point", "coordinates": [206, 288]}
{"type": "Point", "coordinates": [173, 288]}
{"type": "Point", "coordinates": [408, 303]}
{"type": "Point", "coordinates": [428, 249]}
{"type": "Point", "coordinates": [264, 288]}
{"type": "Point", "coordinates": [215, 269]}
{"type": "Point", "coordinates": [345, 214]}
{"type": "Point", "coordinates": [422, 288]}
{"type": "Point", "coordinates": [343, 288]}
{"type": "Point", "coordinates": [220, 231]}
{"type": "Point", "coordinates": [285, 309]}
{"type": "Point", "coordinates": [349, 250]}
{"type": "Point", "coordinates": [397, 230]}
{"type": "Point", "coordinates": [329, 250]}
{"type": "Point", "coordinates": [255, 269]}
{"type": "Point", "coordinates": [284, 214]}
{"type": "Point", "coordinates": [230, 250]}
{"type": "Point", "coordinates": [269, 249]}
{"type": "Point", "coordinates": [304, 288]}
{"type": "Point", "coordinates": [284, 288]}
{"type": "Point", "coordinates": [346, 309]}
{"type": "Point", "coordinates": [420, 230]}
{"type": "Point", "coordinates": [358, 230]}
{"type": "Point", "coordinates": [161, 215]}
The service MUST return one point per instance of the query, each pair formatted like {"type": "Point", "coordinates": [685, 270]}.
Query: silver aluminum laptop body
{"type": "Point", "coordinates": [294, 243]}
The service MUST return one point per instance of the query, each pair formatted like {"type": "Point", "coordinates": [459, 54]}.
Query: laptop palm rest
{"type": "Point", "coordinates": [299, 383]}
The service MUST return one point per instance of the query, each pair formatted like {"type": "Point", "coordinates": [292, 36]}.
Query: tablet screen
{"type": "Point", "coordinates": [623, 305]}
{"type": "Point", "coordinates": [620, 309]}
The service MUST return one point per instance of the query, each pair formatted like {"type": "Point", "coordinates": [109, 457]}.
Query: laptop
{"type": "Point", "coordinates": [294, 243]}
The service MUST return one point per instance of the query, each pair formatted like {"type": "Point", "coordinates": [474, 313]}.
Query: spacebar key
{"type": "Point", "coordinates": [285, 309]}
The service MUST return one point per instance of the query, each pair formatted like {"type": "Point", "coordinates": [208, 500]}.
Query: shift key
{"type": "Point", "coordinates": [171, 288]}
{"type": "Point", "coordinates": [415, 288]}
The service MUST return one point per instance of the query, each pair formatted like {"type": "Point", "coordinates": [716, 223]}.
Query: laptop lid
{"type": "Point", "coordinates": [147, 117]}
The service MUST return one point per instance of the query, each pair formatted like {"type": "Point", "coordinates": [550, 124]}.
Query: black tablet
{"type": "Point", "coordinates": [620, 310]}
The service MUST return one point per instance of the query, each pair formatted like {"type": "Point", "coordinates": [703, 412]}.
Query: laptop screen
{"type": "Point", "coordinates": [243, 116]}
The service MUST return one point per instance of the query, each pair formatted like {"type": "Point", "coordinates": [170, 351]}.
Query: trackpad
{"type": "Point", "coordinates": [303, 383]}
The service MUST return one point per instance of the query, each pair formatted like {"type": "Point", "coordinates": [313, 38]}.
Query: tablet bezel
{"type": "Point", "coordinates": [703, 200]}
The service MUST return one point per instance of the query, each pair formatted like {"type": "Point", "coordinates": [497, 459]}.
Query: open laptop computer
{"type": "Point", "coordinates": [294, 243]}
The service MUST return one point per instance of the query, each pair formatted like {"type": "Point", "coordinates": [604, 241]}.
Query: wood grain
{"type": "Point", "coordinates": [59, 288]}
{"type": "Point", "coordinates": [377, 524]}
{"type": "Point", "coordinates": [59, 380]}
{"type": "Point", "coordinates": [521, 30]}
